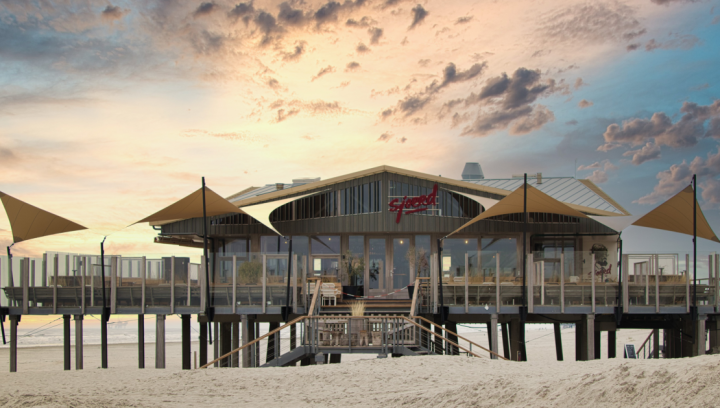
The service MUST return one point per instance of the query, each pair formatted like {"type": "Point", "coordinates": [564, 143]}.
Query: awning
{"type": "Point", "coordinates": [192, 207]}
{"type": "Point", "coordinates": [513, 203]}
{"type": "Point", "coordinates": [676, 215]}
{"type": "Point", "coordinates": [261, 212]}
{"type": "Point", "coordinates": [484, 201]}
{"type": "Point", "coordinates": [28, 222]}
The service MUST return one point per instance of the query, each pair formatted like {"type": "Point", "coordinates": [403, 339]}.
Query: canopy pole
{"type": "Point", "coordinates": [105, 312]}
{"type": "Point", "coordinates": [2, 318]}
{"type": "Point", "coordinates": [289, 274]}
{"type": "Point", "coordinates": [440, 276]}
{"type": "Point", "coordinates": [618, 308]}
{"type": "Point", "coordinates": [209, 311]}
{"type": "Point", "coordinates": [695, 309]}
{"type": "Point", "coordinates": [523, 311]}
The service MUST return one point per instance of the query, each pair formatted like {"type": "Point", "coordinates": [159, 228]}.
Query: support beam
{"type": "Point", "coordinates": [247, 336]}
{"type": "Point", "coordinates": [656, 343]}
{"type": "Point", "coordinates": [141, 341]}
{"type": "Point", "coordinates": [66, 341]}
{"type": "Point", "coordinates": [293, 336]}
{"type": "Point", "coordinates": [452, 326]}
{"type": "Point", "coordinates": [160, 341]}
{"type": "Point", "coordinates": [203, 343]}
{"type": "Point", "coordinates": [216, 345]}
{"type": "Point", "coordinates": [612, 344]}
{"type": "Point", "coordinates": [438, 346]}
{"type": "Point", "coordinates": [186, 348]}
{"type": "Point", "coordinates": [558, 341]}
{"type": "Point", "coordinates": [714, 332]}
{"type": "Point", "coordinates": [335, 358]}
{"type": "Point", "coordinates": [516, 352]}
{"type": "Point", "coordinates": [225, 343]}
{"type": "Point", "coordinates": [235, 343]}
{"type": "Point", "coordinates": [596, 344]}
{"type": "Point", "coordinates": [272, 351]}
{"type": "Point", "coordinates": [103, 342]}
{"type": "Point", "coordinates": [505, 340]}
{"type": "Point", "coordinates": [78, 342]}
{"type": "Point", "coordinates": [699, 343]}
{"type": "Point", "coordinates": [14, 320]}
{"type": "Point", "coordinates": [580, 341]}
{"type": "Point", "coordinates": [493, 335]}
{"type": "Point", "coordinates": [590, 335]}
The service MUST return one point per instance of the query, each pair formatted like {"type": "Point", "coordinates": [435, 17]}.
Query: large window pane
{"type": "Point", "coordinates": [377, 263]}
{"type": "Point", "coordinates": [325, 245]}
{"type": "Point", "coordinates": [356, 258]}
{"type": "Point", "coordinates": [422, 256]}
{"type": "Point", "coordinates": [401, 263]}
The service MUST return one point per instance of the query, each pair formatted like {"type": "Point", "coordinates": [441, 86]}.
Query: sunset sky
{"type": "Point", "coordinates": [109, 111]}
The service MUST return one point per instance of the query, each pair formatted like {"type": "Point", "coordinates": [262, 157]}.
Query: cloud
{"type": "Point", "coordinates": [595, 165]}
{"type": "Point", "coordinates": [579, 83]}
{"type": "Point", "coordinates": [287, 109]}
{"type": "Point", "coordinates": [684, 42]}
{"type": "Point", "coordinates": [419, 14]}
{"type": "Point", "coordinates": [648, 152]}
{"type": "Point", "coordinates": [352, 66]}
{"type": "Point", "coordinates": [668, 2]}
{"type": "Point", "coordinates": [362, 48]}
{"type": "Point", "coordinates": [327, 70]}
{"type": "Point", "coordinates": [296, 53]}
{"type": "Point", "coordinates": [282, 114]}
{"type": "Point", "coordinates": [204, 9]}
{"type": "Point", "coordinates": [402, 139]}
{"type": "Point", "coordinates": [267, 24]}
{"type": "Point", "coordinates": [463, 20]}
{"type": "Point", "coordinates": [571, 122]}
{"type": "Point", "coordinates": [632, 47]}
{"type": "Point", "coordinates": [585, 104]}
{"type": "Point", "coordinates": [112, 13]}
{"type": "Point", "coordinates": [598, 177]}
{"type": "Point", "coordinates": [241, 10]}
{"type": "Point", "coordinates": [375, 34]}
{"type": "Point", "coordinates": [291, 16]}
{"type": "Point", "coordinates": [363, 22]}
{"type": "Point", "coordinates": [592, 22]}
{"type": "Point", "coordinates": [660, 128]}
{"type": "Point", "coordinates": [231, 136]}
{"type": "Point", "coordinates": [678, 176]}
{"type": "Point", "coordinates": [385, 137]}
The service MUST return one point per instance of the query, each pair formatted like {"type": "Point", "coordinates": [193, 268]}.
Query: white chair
{"type": "Point", "coordinates": [329, 292]}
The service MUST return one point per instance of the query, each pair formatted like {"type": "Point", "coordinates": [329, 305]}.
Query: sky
{"type": "Point", "coordinates": [110, 111]}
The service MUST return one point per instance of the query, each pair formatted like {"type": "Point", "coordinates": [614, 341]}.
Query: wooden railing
{"type": "Point", "coordinates": [461, 337]}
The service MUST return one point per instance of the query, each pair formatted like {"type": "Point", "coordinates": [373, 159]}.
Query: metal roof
{"type": "Point", "coordinates": [566, 189]}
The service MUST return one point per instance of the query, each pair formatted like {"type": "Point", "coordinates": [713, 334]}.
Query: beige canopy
{"type": "Point", "coordinates": [192, 207]}
{"type": "Point", "coordinates": [484, 201]}
{"type": "Point", "coordinates": [676, 215]}
{"type": "Point", "coordinates": [513, 203]}
{"type": "Point", "coordinates": [261, 212]}
{"type": "Point", "coordinates": [28, 222]}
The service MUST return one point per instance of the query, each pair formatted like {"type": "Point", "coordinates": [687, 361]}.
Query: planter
{"type": "Point", "coordinates": [411, 290]}
{"type": "Point", "coordinates": [352, 290]}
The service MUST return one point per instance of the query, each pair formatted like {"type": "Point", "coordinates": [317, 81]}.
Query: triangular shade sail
{"type": "Point", "coordinates": [513, 203]}
{"type": "Point", "coordinates": [192, 207]}
{"type": "Point", "coordinates": [261, 212]}
{"type": "Point", "coordinates": [28, 222]}
{"type": "Point", "coordinates": [484, 201]}
{"type": "Point", "coordinates": [676, 215]}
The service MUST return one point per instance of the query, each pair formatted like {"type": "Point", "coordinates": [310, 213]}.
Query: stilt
{"type": "Point", "coordinates": [506, 340]}
{"type": "Point", "coordinates": [558, 342]}
{"type": "Point", "coordinates": [699, 343]}
{"type": "Point", "coordinates": [425, 336]}
{"type": "Point", "coordinates": [271, 349]}
{"type": "Point", "coordinates": [247, 336]}
{"type": "Point", "coordinates": [103, 343]}
{"type": "Point", "coordinates": [14, 320]}
{"type": "Point", "coordinates": [656, 343]}
{"type": "Point", "coordinates": [203, 340]}
{"type": "Point", "coordinates": [225, 343]}
{"type": "Point", "coordinates": [438, 346]}
{"type": "Point", "coordinates": [335, 358]}
{"type": "Point", "coordinates": [160, 341]}
{"type": "Point", "coordinates": [590, 335]}
{"type": "Point", "coordinates": [516, 349]}
{"type": "Point", "coordinates": [78, 342]}
{"type": "Point", "coordinates": [493, 335]}
{"type": "Point", "coordinates": [714, 332]}
{"type": "Point", "coordinates": [216, 345]}
{"type": "Point", "coordinates": [66, 340]}
{"type": "Point", "coordinates": [293, 336]}
{"type": "Point", "coordinates": [612, 344]}
{"type": "Point", "coordinates": [256, 347]}
{"type": "Point", "coordinates": [141, 341]}
{"type": "Point", "coordinates": [186, 352]}
{"type": "Point", "coordinates": [235, 343]}
{"type": "Point", "coordinates": [452, 326]}
{"type": "Point", "coordinates": [596, 344]}
{"type": "Point", "coordinates": [580, 341]}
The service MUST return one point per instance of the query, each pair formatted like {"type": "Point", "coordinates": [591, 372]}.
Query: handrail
{"type": "Point", "coordinates": [415, 296]}
{"type": "Point", "coordinates": [461, 337]}
{"type": "Point", "coordinates": [442, 337]}
{"type": "Point", "coordinates": [645, 342]}
{"type": "Point", "coordinates": [254, 341]}
{"type": "Point", "coordinates": [318, 284]}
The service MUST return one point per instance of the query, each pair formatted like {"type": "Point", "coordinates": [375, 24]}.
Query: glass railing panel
{"type": "Point", "coordinates": [129, 282]}
{"type": "Point", "coordinates": [249, 280]}
{"type": "Point", "coordinates": [481, 282]}
{"type": "Point", "coordinates": [157, 283]}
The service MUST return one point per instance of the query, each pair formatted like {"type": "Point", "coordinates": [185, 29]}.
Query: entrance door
{"type": "Point", "coordinates": [325, 266]}
{"type": "Point", "coordinates": [377, 278]}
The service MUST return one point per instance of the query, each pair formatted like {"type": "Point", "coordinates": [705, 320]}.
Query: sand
{"type": "Point", "coordinates": [364, 380]}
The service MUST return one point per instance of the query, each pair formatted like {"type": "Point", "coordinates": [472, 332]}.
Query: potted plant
{"type": "Point", "coordinates": [422, 265]}
{"type": "Point", "coordinates": [353, 268]}
{"type": "Point", "coordinates": [250, 273]}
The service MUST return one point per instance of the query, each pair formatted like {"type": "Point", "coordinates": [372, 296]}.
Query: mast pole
{"type": "Point", "coordinates": [209, 311]}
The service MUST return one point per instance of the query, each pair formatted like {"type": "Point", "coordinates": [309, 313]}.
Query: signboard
{"type": "Point", "coordinates": [447, 263]}
{"type": "Point", "coordinates": [317, 265]}
{"type": "Point", "coordinates": [409, 205]}
{"type": "Point", "coordinates": [630, 351]}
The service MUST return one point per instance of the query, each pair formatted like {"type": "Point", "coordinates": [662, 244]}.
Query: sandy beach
{"type": "Point", "coordinates": [364, 380]}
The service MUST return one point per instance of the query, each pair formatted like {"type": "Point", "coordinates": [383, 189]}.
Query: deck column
{"type": "Point", "coordinates": [581, 340]}
{"type": "Point", "coordinates": [438, 333]}
{"type": "Point", "coordinates": [186, 352]}
{"type": "Point", "coordinates": [216, 331]}
{"type": "Point", "coordinates": [558, 341]}
{"type": "Point", "coordinates": [714, 332]}
{"type": "Point", "coordinates": [590, 335]}
{"type": "Point", "coordinates": [14, 320]}
{"type": "Point", "coordinates": [293, 336]}
{"type": "Point", "coordinates": [505, 339]}
{"type": "Point", "coordinates": [225, 343]}
{"type": "Point", "coordinates": [78, 342]}
{"type": "Point", "coordinates": [656, 343]}
{"type": "Point", "coordinates": [612, 344]}
{"type": "Point", "coordinates": [271, 349]}
{"type": "Point", "coordinates": [141, 341]}
{"type": "Point", "coordinates": [203, 340]}
{"type": "Point", "coordinates": [452, 326]}
{"type": "Point", "coordinates": [66, 341]}
{"type": "Point", "coordinates": [596, 345]}
{"type": "Point", "coordinates": [160, 341]}
{"type": "Point", "coordinates": [235, 343]}
{"type": "Point", "coordinates": [494, 335]}
{"type": "Point", "coordinates": [699, 344]}
{"type": "Point", "coordinates": [247, 336]}
{"type": "Point", "coordinates": [515, 340]}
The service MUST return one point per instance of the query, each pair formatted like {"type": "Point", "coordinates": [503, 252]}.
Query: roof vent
{"type": "Point", "coordinates": [305, 180]}
{"type": "Point", "coordinates": [472, 171]}
{"type": "Point", "coordinates": [279, 186]}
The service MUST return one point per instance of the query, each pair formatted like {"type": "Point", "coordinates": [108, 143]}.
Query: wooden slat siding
{"type": "Point", "coordinates": [384, 221]}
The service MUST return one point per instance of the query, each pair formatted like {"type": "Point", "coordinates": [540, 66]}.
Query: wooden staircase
{"type": "Point", "coordinates": [372, 306]}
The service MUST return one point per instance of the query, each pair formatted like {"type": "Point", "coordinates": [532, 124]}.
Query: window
{"type": "Point", "coordinates": [361, 199]}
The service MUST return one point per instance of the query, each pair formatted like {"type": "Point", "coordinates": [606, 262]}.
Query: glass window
{"type": "Point", "coordinates": [377, 263]}
{"type": "Point", "coordinates": [453, 253]}
{"type": "Point", "coordinates": [356, 258]}
{"type": "Point", "coordinates": [422, 256]}
{"type": "Point", "coordinates": [506, 248]}
{"type": "Point", "coordinates": [325, 245]}
{"type": "Point", "coordinates": [401, 262]}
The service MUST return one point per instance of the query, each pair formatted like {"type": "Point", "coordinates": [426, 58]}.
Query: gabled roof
{"type": "Point", "coordinates": [581, 195]}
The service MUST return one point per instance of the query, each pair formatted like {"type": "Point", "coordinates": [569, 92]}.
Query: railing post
{"type": "Point", "coordinates": [234, 284]}
{"type": "Point", "coordinates": [530, 283]}
{"type": "Point", "coordinates": [172, 285]}
{"type": "Point", "coordinates": [143, 277]}
{"type": "Point", "coordinates": [562, 281]}
{"type": "Point", "coordinates": [592, 276]}
{"type": "Point", "coordinates": [657, 283]}
{"type": "Point", "coordinates": [56, 263]}
{"type": "Point", "coordinates": [498, 298]}
{"type": "Point", "coordinates": [626, 283]}
{"type": "Point", "coordinates": [294, 284]}
{"type": "Point", "coordinates": [717, 282]}
{"type": "Point", "coordinates": [467, 274]}
{"type": "Point", "coordinates": [24, 279]}
{"type": "Point", "coordinates": [113, 283]}
{"type": "Point", "coordinates": [82, 266]}
{"type": "Point", "coordinates": [264, 282]}
{"type": "Point", "coordinates": [687, 283]}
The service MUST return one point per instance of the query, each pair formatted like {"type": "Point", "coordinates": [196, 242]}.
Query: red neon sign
{"type": "Point", "coordinates": [413, 204]}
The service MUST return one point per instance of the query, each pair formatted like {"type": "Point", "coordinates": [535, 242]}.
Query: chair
{"type": "Point", "coordinates": [328, 291]}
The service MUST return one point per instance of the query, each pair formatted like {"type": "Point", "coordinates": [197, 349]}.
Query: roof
{"type": "Point", "coordinates": [581, 195]}
{"type": "Point", "coordinates": [576, 193]}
